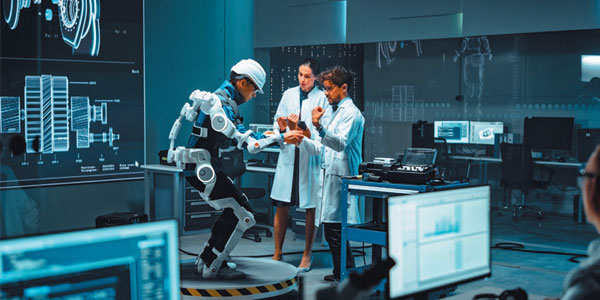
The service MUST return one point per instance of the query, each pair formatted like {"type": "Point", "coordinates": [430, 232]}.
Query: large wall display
{"type": "Point", "coordinates": [72, 87]}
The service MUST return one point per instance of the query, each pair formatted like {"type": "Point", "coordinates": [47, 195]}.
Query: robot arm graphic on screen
{"type": "Point", "coordinates": [210, 105]}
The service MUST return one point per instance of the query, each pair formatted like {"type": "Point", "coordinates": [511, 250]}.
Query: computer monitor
{"type": "Point", "coordinates": [549, 133]}
{"type": "Point", "coordinates": [455, 132]}
{"type": "Point", "coordinates": [438, 239]}
{"type": "Point", "coordinates": [419, 157]}
{"type": "Point", "coordinates": [483, 132]}
{"type": "Point", "coordinates": [123, 262]}
{"type": "Point", "coordinates": [262, 128]}
{"type": "Point", "coordinates": [422, 135]}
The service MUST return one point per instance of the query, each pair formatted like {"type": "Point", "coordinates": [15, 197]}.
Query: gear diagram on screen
{"type": "Point", "coordinates": [49, 116]}
{"type": "Point", "coordinates": [79, 21]}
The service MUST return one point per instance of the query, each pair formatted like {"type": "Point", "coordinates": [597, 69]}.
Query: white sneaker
{"type": "Point", "coordinates": [224, 272]}
{"type": "Point", "coordinates": [198, 266]}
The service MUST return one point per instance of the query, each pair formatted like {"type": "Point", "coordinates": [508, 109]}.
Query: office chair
{"type": "Point", "coordinates": [447, 168]}
{"type": "Point", "coordinates": [234, 167]}
{"type": "Point", "coordinates": [517, 173]}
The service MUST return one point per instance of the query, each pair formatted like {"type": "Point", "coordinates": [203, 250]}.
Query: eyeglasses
{"type": "Point", "coordinates": [253, 85]}
{"type": "Point", "coordinates": [330, 88]}
{"type": "Point", "coordinates": [583, 175]}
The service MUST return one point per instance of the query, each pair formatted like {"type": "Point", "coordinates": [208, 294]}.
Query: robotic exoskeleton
{"type": "Point", "coordinates": [198, 159]}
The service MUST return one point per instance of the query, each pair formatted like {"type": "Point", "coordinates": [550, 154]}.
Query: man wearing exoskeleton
{"type": "Point", "coordinates": [218, 128]}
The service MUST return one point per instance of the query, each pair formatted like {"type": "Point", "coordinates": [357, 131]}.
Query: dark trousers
{"type": "Point", "coordinates": [226, 223]}
{"type": "Point", "coordinates": [333, 235]}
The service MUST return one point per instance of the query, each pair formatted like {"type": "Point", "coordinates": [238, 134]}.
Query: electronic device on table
{"type": "Point", "coordinates": [438, 239]}
{"type": "Point", "coordinates": [120, 262]}
{"type": "Point", "coordinates": [417, 167]}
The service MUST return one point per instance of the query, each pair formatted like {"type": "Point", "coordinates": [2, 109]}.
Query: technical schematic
{"type": "Point", "coordinates": [403, 103]}
{"type": "Point", "coordinates": [387, 50]}
{"type": "Point", "coordinates": [49, 116]}
{"type": "Point", "coordinates": [10, 121]}
{"type": "Point", "coordinates": [83, 114]}
{"type": "Point", "coordinates": [79, 21]}
{"type": "Point", "coordinates": [71, 112]}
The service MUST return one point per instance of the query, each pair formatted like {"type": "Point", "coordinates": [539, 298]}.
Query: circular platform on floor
{"type": "Point", "coordinates": [265, 278]}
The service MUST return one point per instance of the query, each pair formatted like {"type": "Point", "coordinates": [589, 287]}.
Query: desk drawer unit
{"type": "Point", "coordinates": [198, 214]}
{"type": "Point", "coordinates": [199, 221]}
{"type": "Point", "coordinates": [298, 213]}
{"type": "Point", "coordinates": [298, 226]}
{"type": "Point", "coordinates": [196, 206]}
{"type": "Point", "coordinates": [191, 193]}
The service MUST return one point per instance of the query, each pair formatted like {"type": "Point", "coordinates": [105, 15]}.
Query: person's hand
{"type": "Point", "coordinates": [317, 113]}
{"type": "Point", "coordinates": [293, 121]}
{"type": "Point", "coordinates": [306, 132]}
{"type": "Point", "coordinates": [293, 137]}
{"type": "Point", "coordinates": [282, 122]}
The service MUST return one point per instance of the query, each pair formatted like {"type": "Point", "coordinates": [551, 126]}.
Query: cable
{"type": "Point", "coordinates": [521, 248]}
{"type": "Point", "coordinates": [364, 256]}
{"type": "Point", "coordinates": [188, 253]}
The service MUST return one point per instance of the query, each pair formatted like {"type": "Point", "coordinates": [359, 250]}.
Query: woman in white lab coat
{"type": "Point", "coordinates": [297, 178]}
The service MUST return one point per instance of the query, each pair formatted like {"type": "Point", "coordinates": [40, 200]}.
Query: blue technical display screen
{"type": "Point", "coordinates": [124, 262]}
{"type": "Point", "coordinates": [438, 238]}
{"type": "Point", "coordinates": [72, 87]}
{"type": "Point", "coordinates": [484, 132]}
{"type": "Point", "coordinates": [455, 132]}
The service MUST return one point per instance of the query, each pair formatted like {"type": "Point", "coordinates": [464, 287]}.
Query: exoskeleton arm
{"type": "Point", "coordinates": [210, 105]}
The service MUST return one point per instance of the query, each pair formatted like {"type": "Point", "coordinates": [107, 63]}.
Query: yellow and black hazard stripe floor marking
{"type": "Point", "coordinates": [238, 292]}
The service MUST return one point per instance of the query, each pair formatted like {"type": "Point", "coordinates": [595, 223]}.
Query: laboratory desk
{"type": "Point", "coordinates": [485, 161]}
{"type": "Point", "coordinates": [164, 189]}
{"type": "Point", "coordinates": [378, 191]}
{"type": "Point", "coordinates": [169, 196]}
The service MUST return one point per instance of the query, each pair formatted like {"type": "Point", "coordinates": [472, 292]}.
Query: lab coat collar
{"type": "Point", "coordinates": [347, 99]}
{"type": "Point", "coordinates": [311, 93]}
{"type": "Point", "coordinates": [335, 107]}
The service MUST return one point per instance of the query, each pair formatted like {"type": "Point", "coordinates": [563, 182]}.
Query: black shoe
{"type": "Point", "coordinates": [331, 277]}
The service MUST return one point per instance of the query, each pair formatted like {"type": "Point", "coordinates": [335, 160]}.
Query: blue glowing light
{"type": "Point", "coordinates": [48, 14]}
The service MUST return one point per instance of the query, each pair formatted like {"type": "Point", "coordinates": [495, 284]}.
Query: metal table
{"type": "Point", "coordinates": [380, 191]}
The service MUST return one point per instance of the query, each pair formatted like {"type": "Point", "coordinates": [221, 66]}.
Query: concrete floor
{"type": "Point", "coordinates": [539, 274]}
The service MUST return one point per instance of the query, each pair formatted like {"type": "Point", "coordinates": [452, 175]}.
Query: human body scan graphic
{"type": "Point", "coordinates": [474, 51]}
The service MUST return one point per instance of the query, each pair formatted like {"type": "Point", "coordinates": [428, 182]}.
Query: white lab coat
{"type": "Point", "coordinates": [309, 179]}
{"type": "Point", "coordinates": [341, 147]}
